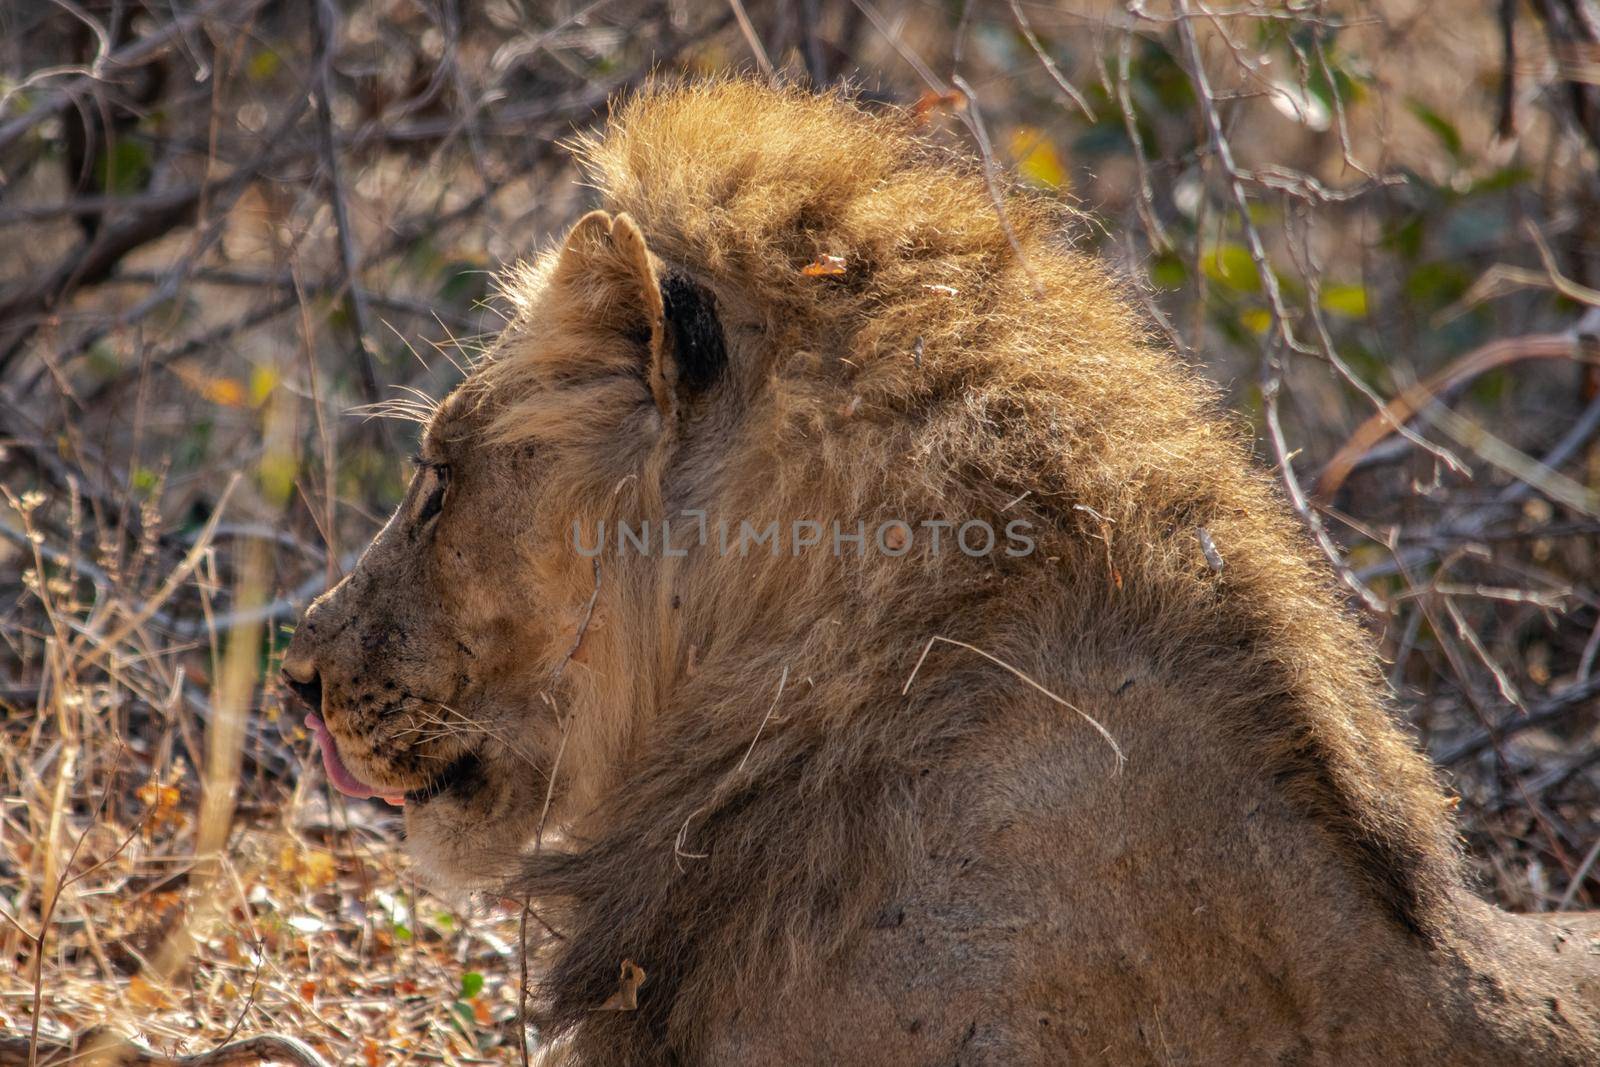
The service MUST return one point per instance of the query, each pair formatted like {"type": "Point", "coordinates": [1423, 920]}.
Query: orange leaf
{"type": "Point", "coordinates": [930, 101]}
{"type": "Point", "coordinates": [229, 392]}
{"type": "Point", "coordinates": [145, 994]}
{"type": "Point", "coordinates": [824, 266]}
{"type": "Point", "coordinates": [317, 869]}
{"type": "Point", "coordinates": [369, 1052]}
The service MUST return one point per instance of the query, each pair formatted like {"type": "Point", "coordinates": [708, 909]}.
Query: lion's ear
{"type": "Point", "coordinates": [626, 295]}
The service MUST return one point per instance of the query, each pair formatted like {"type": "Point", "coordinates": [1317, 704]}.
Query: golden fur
{"type": "Point", "coordinates": [811, 860]}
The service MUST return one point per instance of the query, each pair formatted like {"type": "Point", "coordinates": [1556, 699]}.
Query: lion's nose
{"type": "Point", "coordinates": [305, 682]}
{"type": "Point", "coordinates": [298, 668]}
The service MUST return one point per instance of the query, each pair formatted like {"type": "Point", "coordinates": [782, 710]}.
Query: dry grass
{"type": "Point", "coordinates": [192, 877]}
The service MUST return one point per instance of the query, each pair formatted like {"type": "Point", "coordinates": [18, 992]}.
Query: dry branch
{"type": "Point", "coordinates": [104, 1047]}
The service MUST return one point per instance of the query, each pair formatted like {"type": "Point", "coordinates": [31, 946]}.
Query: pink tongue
{"type": "Point", "coordinates": [338, 773]}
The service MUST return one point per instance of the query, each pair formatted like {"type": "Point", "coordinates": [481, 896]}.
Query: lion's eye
{"type": "Point", "coordinates": [434, 502]}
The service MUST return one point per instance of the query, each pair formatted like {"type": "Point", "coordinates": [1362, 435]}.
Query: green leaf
{"type": "Point", "coordinates": [125, 169]}
{"type": "Point", "coordinates": [278, 472]}
{"type": "Point", "coordinates": [263, 65]}
{"type": "Point", "coordinates": [1257, 320]}
{"type": "Point", "coordinates": [1406, 238]}
{"type": "Point", "coordinates": [471, 985]}
{"type": "Point", "coordinates": [263, 380]}
{"type": "Point", "coordinates": [1441, 127]}
{"type": "Point", "coordinates": [1501, 180]}
{"type": "Point", "coordinates": [1168, 272]}
{"type": "Point", "coordinates": [1436, 284]}
{"type": "Point", "coordinates": [402, 932]}
{"type": "Point", "coordinates": [1230, 265]}
{"type": "Point", "coordinates": [465, 282]}
{"type": "Point", "coordinates": [1347, 300]}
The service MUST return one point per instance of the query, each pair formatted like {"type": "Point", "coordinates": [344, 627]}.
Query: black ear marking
{"type": "Point", "coordinates": [698, 347]}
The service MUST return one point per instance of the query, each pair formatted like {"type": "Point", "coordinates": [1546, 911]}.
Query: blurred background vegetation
{"type": "Point", "coordinates": [236, 230]}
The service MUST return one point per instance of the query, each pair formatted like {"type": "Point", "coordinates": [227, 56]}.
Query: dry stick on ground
{"type": "Point", "coordinates": [1578, 434]}
{"type": "Point", "coordinates": [972, 119]}
{"type": "Point", "coordinates": [1145, 203]}
{"type": "Point", "coordinates": [63, 882]}
{"type": "Point", "coordinates": [756, 47]}
{"type": "Point", "coordinates": [102, 1046]}
{"type": "Point", "coordinates": [1311, 271]}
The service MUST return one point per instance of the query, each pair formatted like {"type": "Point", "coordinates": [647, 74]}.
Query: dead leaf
{"type": "Point", "coordinates": [145, 994]}
{"type": "Point", "coordinates": [930, 102]}
{"type": "Point", "coordinates": [227, 392]}
{"type": "Point", "coordinates": [824, 266]}
{"type": "Point", "coordinates": [162, 802]}
{"type": "Point", "coordinates": [317, 869]}
{"type": "Point", "coordinates": [626, 998]}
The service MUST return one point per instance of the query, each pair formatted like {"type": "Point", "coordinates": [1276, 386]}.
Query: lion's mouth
{"type": "Point", "coordinates": [464, 775]}
{"type": "Point", "coordinates": [338, 774]}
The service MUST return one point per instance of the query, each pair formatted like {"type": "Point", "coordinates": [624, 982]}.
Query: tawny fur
{"type": "Point", "coordinates": [811, 865]}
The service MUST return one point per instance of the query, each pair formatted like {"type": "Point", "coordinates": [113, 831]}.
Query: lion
{"type": "Point", "coordinates": [830, 607]}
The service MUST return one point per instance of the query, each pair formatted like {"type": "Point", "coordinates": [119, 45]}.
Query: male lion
{"type": "Point", "coordinates": [1119, 786]}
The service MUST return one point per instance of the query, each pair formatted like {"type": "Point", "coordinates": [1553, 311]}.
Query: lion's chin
{"type": "Point", "coordinates": [466, 830]}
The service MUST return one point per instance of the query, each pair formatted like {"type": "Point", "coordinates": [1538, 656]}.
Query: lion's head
{"type": "Point", "coordinates": [481, 664]}
{"type": "Point", "coordinates": [433, 670]}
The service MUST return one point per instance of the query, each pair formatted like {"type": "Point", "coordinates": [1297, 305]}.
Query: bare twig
{"type": "Point", "coordinates": [101, 1046]}
{"type": "Point", "coordinates": [997, 661]}
{"type": "Point", "coordinates": [133, 55]}
{"type": "Point", "coordinates": [323, 22]}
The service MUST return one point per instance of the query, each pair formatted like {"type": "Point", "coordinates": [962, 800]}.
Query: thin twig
{"type": "Point", "coordinates": [997, 661]}
{"type": "Point", "coordinates": [324, 31]}
{"type": "Point", "coordinates": [100, 1046]}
